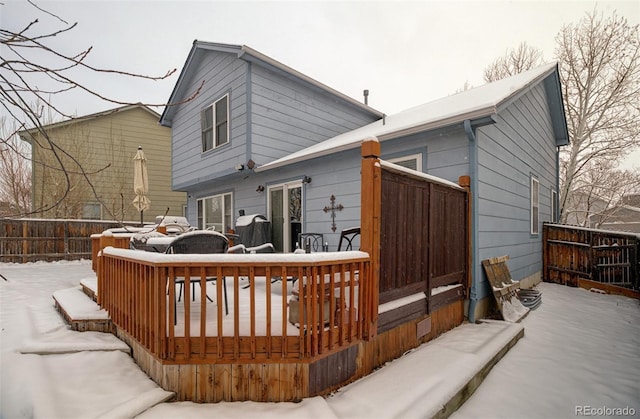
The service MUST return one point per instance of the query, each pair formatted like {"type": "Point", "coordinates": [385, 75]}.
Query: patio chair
{"type": "Point", "coordinates": [311, 242]}
{"type": "Point", "coordinates": [201, 242]}
{"type": "Point", "coordinates": [347, 236]}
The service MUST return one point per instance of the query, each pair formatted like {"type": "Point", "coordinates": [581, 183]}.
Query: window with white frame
{"type": "Point", "coordinates": [535, 204]}
{"type": "Point", "coordinates": [215, 124]}
{"type": "Point", "coordinates": [215, 212]}
{"type": "Point", "coordinates": [554, 206]}
{"type": "Point", "coordinates": [413, 161]}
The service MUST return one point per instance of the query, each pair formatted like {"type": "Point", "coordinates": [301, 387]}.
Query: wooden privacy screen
{"type": "Point", "coordinates": [423, 241]}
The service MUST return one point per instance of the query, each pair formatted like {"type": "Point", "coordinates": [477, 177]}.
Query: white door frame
{"type": "Point", "coordinates": [286, 227]}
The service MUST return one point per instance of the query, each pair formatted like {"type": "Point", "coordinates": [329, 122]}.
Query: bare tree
{"type": "Point", "coordinates": [599, 61]}
{"type": "Point", "coordinates": [514, 61]}
{"type": "Point", "coordinates": [600, 74]}
{"type": "Point", "coordinates": [33, 74]}
{"type": "Point", "coordinates": [601, 189]}
{"type": "Point", "coordinates": [15, 173]}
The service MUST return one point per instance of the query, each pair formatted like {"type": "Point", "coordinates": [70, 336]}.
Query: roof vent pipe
{"type": "Point", "coordinates": [366, 96]}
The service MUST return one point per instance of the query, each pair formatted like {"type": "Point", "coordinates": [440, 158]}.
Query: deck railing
{"type": "Point", "coordinates": [335, 304]}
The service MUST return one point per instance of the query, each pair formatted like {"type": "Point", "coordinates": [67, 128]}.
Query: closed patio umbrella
{"type": "Point", "coordinates": [140, 183]}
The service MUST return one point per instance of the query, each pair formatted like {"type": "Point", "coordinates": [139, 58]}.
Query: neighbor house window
{"type": "Point", "coordinates": [215, 212]}
{"type": "Point", "coordinates": [215, 124]}
{"type": "Point", "coordinates": [535, 205]}
{"type": "Point", "coordinates": [554, 206]}
{"type": "Point", "coordinates": [413, 161]}
{"type": "Point", "coordinates": [92, 211]}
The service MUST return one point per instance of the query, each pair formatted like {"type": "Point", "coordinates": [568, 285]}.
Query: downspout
{"type": "Point", "coordinates": [557, 201]}
{"type": "Point", "coordinates": [249, 111]}
{"type": "Point", "coordinates": [473, 175]}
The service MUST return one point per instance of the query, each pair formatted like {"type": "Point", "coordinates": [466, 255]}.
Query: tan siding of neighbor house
{"type": "Point", "coordinates": [105, 144]}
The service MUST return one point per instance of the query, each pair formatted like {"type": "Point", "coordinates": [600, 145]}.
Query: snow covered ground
{"type": "Point", "coordinates": [580, 356]}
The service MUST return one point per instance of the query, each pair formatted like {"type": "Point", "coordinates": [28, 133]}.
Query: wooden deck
{"type": "Point", "coordinates": [193, 348]}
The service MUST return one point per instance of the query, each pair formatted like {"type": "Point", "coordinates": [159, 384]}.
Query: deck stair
{"type": "Point", "coordinates": [79, 309]}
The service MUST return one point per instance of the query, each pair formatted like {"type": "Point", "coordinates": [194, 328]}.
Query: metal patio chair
{"type": "Point", "coordinates": [201, 242]}
{"type": "Point", "coordinates": [348, 236]}
{"type": "Point", "coordinates": [311, 242]}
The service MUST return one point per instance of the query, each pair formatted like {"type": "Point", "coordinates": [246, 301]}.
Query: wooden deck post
{"type": "Point", "coordinates": [370, 195]}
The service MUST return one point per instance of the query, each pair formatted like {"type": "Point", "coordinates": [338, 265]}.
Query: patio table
{"type": "Point", "coordinates": [160, 244]}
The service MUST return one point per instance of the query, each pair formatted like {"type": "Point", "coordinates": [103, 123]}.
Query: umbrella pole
{"type": "Point", "coordinates": [141, 219]}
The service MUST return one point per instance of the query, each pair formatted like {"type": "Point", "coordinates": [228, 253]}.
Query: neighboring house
{"type": "Point", "coordinates": [270, 159]}
{"type": "Point", "coordinates": [103, 145]}
{"type": "Point", "coordinates": [624, 217]}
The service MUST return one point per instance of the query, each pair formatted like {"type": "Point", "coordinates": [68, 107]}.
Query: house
{"type": "Point", "coordinates": [251, 110]}
{"type": "Point", "coordinates": [263, 138]}
{"type": "Point", "coordinates": [103, 145]}
{"type": "Point", "coordinates": [624, 217]}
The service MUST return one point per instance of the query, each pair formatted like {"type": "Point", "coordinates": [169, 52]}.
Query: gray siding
{"type": "Point", "coordinates": [288, 116]}
{"type": "Point", "coordinates": [275, 116]}
{"type": "Point", "coordinates": [339, 174]}
{"type": "Point", "coordinates": [519, 145]}
{"type": "Point", "coordinates": [222, 73]}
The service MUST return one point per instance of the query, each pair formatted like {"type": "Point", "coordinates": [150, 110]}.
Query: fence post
{"type": "Point", "coordinates": [370, 208]}
{"type": "Point", "coordinates": [66, 237]}
{"type": "Point", "coordinates": [25, 241]}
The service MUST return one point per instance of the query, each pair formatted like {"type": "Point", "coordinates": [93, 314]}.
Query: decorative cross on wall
{"type": "Point", "coordinates": [333, 208]}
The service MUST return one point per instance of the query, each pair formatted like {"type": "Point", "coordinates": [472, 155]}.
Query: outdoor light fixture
{"type": "Point", "coordinates": [239, 167]}
{"type": "Point", "coordinates": [306, 179]}
{"type": "Point", "coordinates": [251, 164]}
{"type": "Point", "coordinates": [260, 188]}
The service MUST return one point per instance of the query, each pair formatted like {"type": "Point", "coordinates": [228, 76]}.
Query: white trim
{"type": "Point", "coordinates": [214, 124]}
{"type": "Point", "coordinates": [534, 205]}
{"type": "Point", "coordinates": [225, 211]}
{"type": "Point", "coordinates": [416, 157]}
{"type": "Point", "coordinates": [286, 238]}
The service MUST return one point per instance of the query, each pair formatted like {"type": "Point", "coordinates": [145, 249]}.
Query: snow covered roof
{"type": "Point", "coordinates": [480, 102]}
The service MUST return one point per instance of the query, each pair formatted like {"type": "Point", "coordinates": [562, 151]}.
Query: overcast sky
{"type": "Point", "coordinates": [405, 53]}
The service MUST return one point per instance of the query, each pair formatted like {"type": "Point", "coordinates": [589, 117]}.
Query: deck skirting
{"type": "Point", "coordinates": [295, 379]}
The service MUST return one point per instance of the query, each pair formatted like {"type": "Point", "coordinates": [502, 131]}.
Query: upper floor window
{"type": "Point", "coordinates": [535, 205]}
{"type": "Point", "coordinates": [413, 161]}
{"type": "Point", "coordinates": [215, 124]}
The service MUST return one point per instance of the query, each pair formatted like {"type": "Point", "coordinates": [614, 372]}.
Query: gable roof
{"type": "Point", "coordinates": [199, 48]}
{"type": "Point", "coordinates": [76, 120]}
{"type": "Point", "coordinates": [478, 104]}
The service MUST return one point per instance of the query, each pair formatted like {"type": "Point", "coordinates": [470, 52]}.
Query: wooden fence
{"type": "Point", "coordinates": [589, 258]}
{"type": "Point", "coordinates": [28, 239]}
